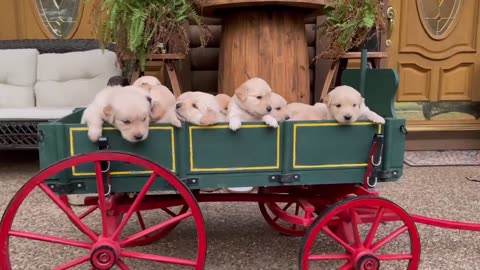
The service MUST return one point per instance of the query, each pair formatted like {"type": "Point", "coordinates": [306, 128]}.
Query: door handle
{"type": "Point", "coordinates": [390, 17]}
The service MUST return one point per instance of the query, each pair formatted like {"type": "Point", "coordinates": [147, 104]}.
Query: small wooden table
{"type": "Point", "coordinates": [266, 39]}
{"type": "Point", "coordinates": [165, 59]}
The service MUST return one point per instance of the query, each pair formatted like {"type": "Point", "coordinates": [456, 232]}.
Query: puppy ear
{"type": "Point", "coordinates": [362, 103]}
{"type": "Point", "coordinates": [156, 112]}
{"type": "Point", "coordinates": [327, 99]}
{"type": "Point", "coordinates": [209, 118]}
{"type": "Point", "coordinates": [108, 112]}
{"type": "Point", "coordinates": [242, 92]}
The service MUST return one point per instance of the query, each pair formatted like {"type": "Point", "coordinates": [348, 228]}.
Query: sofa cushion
{"type": "Point", "coordinates": [13, 96]}
{"type": "Point", "coordinates": [18, 73]}
{"type": "Point", "coordinates": [23, 114]}
{"type": "Point", "coordinates": [73, 79]}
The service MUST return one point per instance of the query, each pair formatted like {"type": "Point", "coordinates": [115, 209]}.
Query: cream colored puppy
{"type": "Point", "coordinates": [199, 108]}
{"type": "Point", "coordinates": [163, 100]}
{"type": "Point", "coordinates": [279, 108]}
{"type": "Point", "coordinates": [306, 112]}
{"type": "Point", "coordinates": [126, 108]}
{"type": "Point", "coordinates": [251, 102]}
{"type": "Point", "coordinates": [223, 100]}
{"type": "Point", "coordinates": [146, 82]}
{"type": "Point", "coordinates": [346, 105]}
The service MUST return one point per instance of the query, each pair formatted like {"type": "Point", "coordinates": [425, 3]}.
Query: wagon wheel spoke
{"type": "Point", "coordinates": [50, 239]}
{"type": "Point", "coordinates": [356, 234]}
{"type": "Point", "coordinates": [328, 257]}
{"type": "Point", "coordinates": [88, 212]}
{"type": "Point", "coordinates": [140, 220]}
{"type": "Point", "coordinates": [297, 208]}
{"type": "Point", "coordinates": [134, 206]}
{"type": "Point", "coordinates": [69, 212]}
{"type": "Point", "coordinates": [338, 239]}
{"type": "Point", "coordinates": [101, 197]}
{"type": "Point", "coordinates": [74, 263]}
{"type": "Point", "coordinates": [121, 264]}
{"type": "Point", "coordinates": [152, 229]}
{"type": "Point", "coordinates": [374, 227]}
{"type": "Point", "coordinates": [378, 245]}
{"type": "Point", "coordinates": [157, 258]}
{"type": "Point", "coordinates": [285, 208]}
{"type": "Point", "coordinates": [394, 257]}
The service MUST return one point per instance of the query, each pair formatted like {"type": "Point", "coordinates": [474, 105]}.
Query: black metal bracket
{"type": "Point", "coordinates": [284, 178]}
{"type": "Point", "coordinates": [191, 181]}
{"type": "Point", "coordinates": [66, 188]}
{"type": "Point", "coordinates": [391, 174]}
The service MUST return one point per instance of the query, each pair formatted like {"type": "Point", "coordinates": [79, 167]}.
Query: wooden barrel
{"type": "Point", "coordinates": [267, 42]}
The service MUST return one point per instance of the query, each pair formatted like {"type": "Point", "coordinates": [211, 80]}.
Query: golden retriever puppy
{"type": "Point", "coordinates": [125, 108]}
{"type": "Point", "coordinates": [223, 100]}
{"type": "Point", "coordinates": [279, 108]}
{"type": "Point", "coordinates": [346, 105]}
{"type": "Point", "coordinates": [199, 108]}
{"type": "Point", "coordinates": [251, 102]}
{"type": "Point", "coordinates": [163, 100]}
{"type": "Point", "coordinates": [306, 112]}
{"type": "Point", "coordinates": [146, 82]}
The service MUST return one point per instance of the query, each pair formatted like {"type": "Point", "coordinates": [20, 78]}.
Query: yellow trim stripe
{"type": "Point", "coordinates": [192, 166]}
{"type": "Point", "coordinates": [327, 166]}
{"type": "Point", "coordinates": [72, 152]}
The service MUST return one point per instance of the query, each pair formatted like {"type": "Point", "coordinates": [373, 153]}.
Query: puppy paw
{"type": "Point", "coordinates": [94, 134]}
{"type": "Point", "coordinates": [377, 119]}
{"type": "Point", "coordinates": [176, 123]}
{"type": "Point", "coordinates": [270, 121]}
{"type": "Point", "coordinates": [234, 124]}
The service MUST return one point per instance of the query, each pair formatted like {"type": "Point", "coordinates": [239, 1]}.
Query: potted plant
{"type": "Point", "coordinates": [139, 28]}
{"type": "Point", "coordinates": [352, 25]}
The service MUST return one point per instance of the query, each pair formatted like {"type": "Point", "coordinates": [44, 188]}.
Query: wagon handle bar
{"type": "Point", "coordinates": [446, 224]}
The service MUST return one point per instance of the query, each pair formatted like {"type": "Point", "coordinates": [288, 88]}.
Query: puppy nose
{"type": "Point", "coordinates": [269, 108]}
{"type": "Point", "coordinates": [347, 117]}
{"type": "Point", "coordinates": [287, 117]}
{"type": "Point", "coordinates": [138, 137]}
{"type": "Point", "coordinates": [178, 105]}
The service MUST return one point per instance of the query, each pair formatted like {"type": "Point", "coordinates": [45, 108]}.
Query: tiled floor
{"type": "Point", "coordinates": [442, 158]}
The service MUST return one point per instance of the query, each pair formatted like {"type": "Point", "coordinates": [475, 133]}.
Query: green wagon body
{"type": "Point", "coordinates": [296, 153]}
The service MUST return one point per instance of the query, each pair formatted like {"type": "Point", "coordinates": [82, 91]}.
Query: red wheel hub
{"type": "Point", "coordinates": [368, 262]}
{"type": "Point", "coordinates": [103, 257]}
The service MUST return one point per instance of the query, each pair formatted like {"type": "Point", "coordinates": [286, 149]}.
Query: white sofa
{"type": "Point", "coordinates": [47, 86]}
{"type": "Point", "coordinates": [42, 80]}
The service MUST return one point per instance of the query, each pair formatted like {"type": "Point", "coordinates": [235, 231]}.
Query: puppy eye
{"type": "Point", "coordinates": [144, 119]}
{"type": "Point", "coordinates": [278, 108]}
{"type": "Point", "coordinates": [354, 105]}
{"type": "Point", "coordinates": [338, 105]}
{"type": "Point", "coordinates": [194, 106]}
{"type": "Point", "coordinates": [259, 97]}
{"type": "Point", "coordinates": [126, 122]}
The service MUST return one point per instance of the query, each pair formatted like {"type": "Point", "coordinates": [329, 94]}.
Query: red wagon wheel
{"type": "Point", "coordinates": [287, 218]}
{"type": "Point", "coordinates": [107, 248]}
{"type": "Point", "coordinates": [360, 243]}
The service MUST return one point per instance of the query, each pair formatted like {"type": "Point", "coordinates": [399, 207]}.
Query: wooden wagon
{"type": "Point", "coordinates": [315, 178]}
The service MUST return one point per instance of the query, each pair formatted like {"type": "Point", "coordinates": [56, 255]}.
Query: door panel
{"type": "Point", "coordinates": [435, 49]}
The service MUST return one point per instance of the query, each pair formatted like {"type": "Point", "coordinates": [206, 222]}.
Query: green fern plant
{"type": "Point", "coordinates": [349, 24]}
{"type": "Point", "coordinates": [139, 27]}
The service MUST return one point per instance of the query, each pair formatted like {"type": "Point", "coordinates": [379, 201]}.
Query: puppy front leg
{"type": "Point", "coordinates": [235, 123]}
{"type": "Point", "coordinates": [94, 129]}
{"type": "Point", "coordinates": [269, 120]}
{"type": "Point", "coordinates": [374, 117]}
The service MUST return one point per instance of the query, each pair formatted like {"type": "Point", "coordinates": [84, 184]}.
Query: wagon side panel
{"type": "Point", "coordinates": [328, 152]}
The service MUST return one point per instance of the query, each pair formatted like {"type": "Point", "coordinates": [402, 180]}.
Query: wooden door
{"type": "Point", "coordinates": [435, 47]}
{"type": "Point", "coordinates": [47, 19]}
